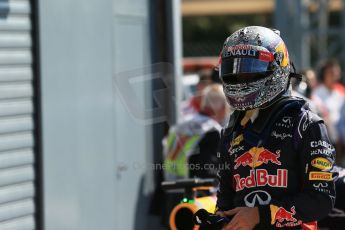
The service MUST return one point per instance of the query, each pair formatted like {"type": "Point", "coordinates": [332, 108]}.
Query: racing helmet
{"type": "Point", "coordinates": [254, 67]}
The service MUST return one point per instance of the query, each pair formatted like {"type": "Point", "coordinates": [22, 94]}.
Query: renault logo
{"type": "Point", "coordinates": [258, 197]}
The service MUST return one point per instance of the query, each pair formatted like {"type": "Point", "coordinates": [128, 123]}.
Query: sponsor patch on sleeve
{"type": "Point", "coordinates": [320, 176]}
{"type": "Point", "coordinates": [321, 163]}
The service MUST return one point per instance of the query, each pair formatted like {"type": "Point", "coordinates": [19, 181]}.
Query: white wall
{"type": "Point", "coordinates": [87, 132]}
{"type": "Point", "coordinates": [133, 142]}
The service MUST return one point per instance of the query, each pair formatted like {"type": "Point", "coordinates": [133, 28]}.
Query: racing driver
{"type": "Point", "coordinates": [278, 155]}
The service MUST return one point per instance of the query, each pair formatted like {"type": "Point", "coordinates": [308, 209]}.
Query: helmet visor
{"type": "Point", "coordinates": [242, 70]}
{"type": "Point", "coordinates": [243, 65]}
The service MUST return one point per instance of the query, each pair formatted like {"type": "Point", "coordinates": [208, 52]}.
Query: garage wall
{"type": "Point", "coordinates": [90, 139]}
{"type": "Point", "coordinates": [77, 114]}
{"type": "Point", "coordinates": [17, 152]}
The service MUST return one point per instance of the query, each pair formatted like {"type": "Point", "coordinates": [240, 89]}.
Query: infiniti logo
{"type": "Point", "coordinates": [257, 197]}
{"type": "Point", "coordinates": [320, 185]}
{"type": "Point", "coordinates": [239, 99]}
{"type": "Point", "coordinates": [287, 119]}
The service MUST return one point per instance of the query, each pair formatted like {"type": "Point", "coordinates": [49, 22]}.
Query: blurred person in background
{"type": "Point", "coordinates": [300, 88]}
{"type": "Point", "coordinates": [305, 88]}
{"type": "Point", "coordinates": [195, 140]}
{"type": "Point", "coordinates": [279, 151]}
{"type": "Point", "coordinates": [341, 129]}
{"type": "Point", "coordinates": [307, 84]}
{"type": "Point", "coordinates": [330, 93]}
{"type": "Point", "coordinates": [311, 80]}
{"type": "Point", "coordinates": [311, 83]}
{"type": "Point", "coordinates": [193, 104]}
{"type": "Point", "coordinates": [193, 144]}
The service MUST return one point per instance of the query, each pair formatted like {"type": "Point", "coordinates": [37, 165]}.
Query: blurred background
{"type": "Point", "coordinates": [89, 89]}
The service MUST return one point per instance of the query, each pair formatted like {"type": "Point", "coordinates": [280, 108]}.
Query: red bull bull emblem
{"type": "Point", "coordinates": [257, 156]}
{"type": "Point", "coordinates": [283, 218]}
{"type": "Point", "coordinates": [260, 178]}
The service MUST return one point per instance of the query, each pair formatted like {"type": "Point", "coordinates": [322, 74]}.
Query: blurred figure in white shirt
{"type": "Point", "coordinates": [329, 92]}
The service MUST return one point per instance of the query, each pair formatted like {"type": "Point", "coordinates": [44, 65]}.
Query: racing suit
{"type": "Point", "coordinates": [281, 163]}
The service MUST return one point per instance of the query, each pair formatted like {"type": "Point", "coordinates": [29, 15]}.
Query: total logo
{"type": "Point", "coordinates": [256, 157]}
{"type": "Point", "coordinates": [261, 178]}
{"type": "Point", "coordinates": [283, 218]}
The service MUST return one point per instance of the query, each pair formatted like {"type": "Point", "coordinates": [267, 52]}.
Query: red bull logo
{"type": "Point", "coordinates": [283, 218]}
{"type": "Point", "coordinates": [267, 156]}
{"type": "Point", "coordinates": [283, 215]}
{"type": "Point", "coordinates": [261, 178]}
{"type": "Point", "coordinates": [257, 156]}
{"type": "Point", "coordinates": [244, 160]}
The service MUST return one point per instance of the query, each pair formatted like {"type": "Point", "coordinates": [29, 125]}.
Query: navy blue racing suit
{"type": "Point", "coordinates": [281, 163]}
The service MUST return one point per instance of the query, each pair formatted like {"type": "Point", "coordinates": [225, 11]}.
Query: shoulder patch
{"type": "Point", "coordinates": [313, 117]}
{"type": "Point", "coordinates": [307, 117]}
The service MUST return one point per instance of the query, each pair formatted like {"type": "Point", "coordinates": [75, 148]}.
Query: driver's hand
{"type": "Point", "coordinates": [244, 218]}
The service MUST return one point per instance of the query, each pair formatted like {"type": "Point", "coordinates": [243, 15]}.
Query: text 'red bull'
{"type": "Point", "coordinates": [260, 178]}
